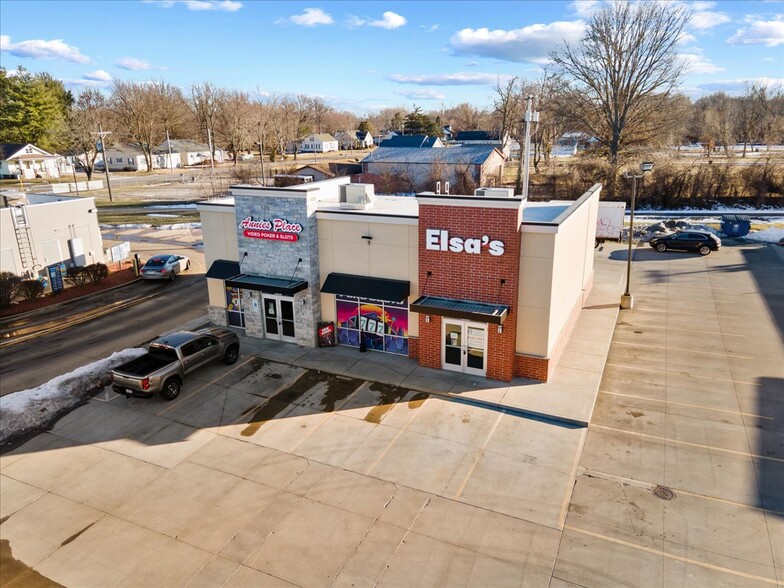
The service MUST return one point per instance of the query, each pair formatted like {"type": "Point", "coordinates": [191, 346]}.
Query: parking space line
{"type": "Point", "coordinates": [666, 328]}
{"type": "Point", "coordinates": [668, 348]}
{"type": "Point", "coordinates": [479, 455]}
{"type": "Point", "coordinates": [748, 414]}
{"type": "Point", "coordinates": [183, 398]}
{"type": "Point", "coordinates": [391, 443]}
{"type": "Point", "coordinates": [671, 311]}
{"type": "Point", "coordinates": [672, 556]}
{"type": "Point", "coordinates": [689, 444]}
{"type": "Point", "coordinates": [660, 371]}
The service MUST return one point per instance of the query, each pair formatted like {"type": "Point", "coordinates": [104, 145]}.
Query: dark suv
{"type": "Point", "coordinates": [702, 243]}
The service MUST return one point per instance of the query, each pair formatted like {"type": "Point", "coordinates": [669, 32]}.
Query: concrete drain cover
{"type": "Point", "coordinates": [664, 493]}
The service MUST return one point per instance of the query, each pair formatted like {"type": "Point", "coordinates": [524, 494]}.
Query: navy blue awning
{"type": "Point", "coordinates": [481, 312]}
{"type": "Point", "coordinates": [367, 287]}
{"type": "Point", "coordinates": [267, 284]}
{"type": "Point", "coordinates": [222, 269]}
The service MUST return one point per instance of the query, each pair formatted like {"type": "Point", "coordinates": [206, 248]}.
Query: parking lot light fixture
{"type": "Point", "coordinates": [627, 300]}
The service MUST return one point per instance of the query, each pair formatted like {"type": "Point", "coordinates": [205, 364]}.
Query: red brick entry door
{"type": "Point", "coordinates": [464, 346]}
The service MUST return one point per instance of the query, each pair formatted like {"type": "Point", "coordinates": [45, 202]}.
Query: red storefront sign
{"type": "Point", "coordinates": [277, 229]}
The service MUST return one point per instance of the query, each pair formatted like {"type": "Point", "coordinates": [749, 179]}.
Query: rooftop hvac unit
{"type": "Point", "coordinates": [357, 196]}
{"type": "Point", "coordinates": [495, 192]}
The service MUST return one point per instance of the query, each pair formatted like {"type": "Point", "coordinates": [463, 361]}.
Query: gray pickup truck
{"type": "Point", "coordinates": [162, 369]}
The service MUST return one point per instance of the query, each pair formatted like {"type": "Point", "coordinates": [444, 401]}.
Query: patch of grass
{"type": "Point", "coordinates": [145, 219]}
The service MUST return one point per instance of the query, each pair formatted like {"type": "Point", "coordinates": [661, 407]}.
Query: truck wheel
{"type": "Point", "coordinates": [231, 355]}
{"type": "Point", "coordinates": [171, 389]}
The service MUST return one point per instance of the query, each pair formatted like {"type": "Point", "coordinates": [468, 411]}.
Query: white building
{"type": "Point", "coordinates": [26, 161]}
{"type": "Point", "coordinates": [319, 143]}
{"type": "Point", "coordinates": [40, 230]}
{"type": "Point", "coordinates": [190, 152]}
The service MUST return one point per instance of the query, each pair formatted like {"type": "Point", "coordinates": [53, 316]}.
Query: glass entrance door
{"type": "Point", "coordinates": [464, 347]}
{"type": "Point", "coordinates": [279, 318]}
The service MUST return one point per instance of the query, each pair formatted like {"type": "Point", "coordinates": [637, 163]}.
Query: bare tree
{"type": "Point", "coordinates": [133, 106]}
{"type": "Point", "coordinates": [752, 115]}
{"type": "Point", "coordinates": [90, 108]}
{"type": "Point", "coordinates": [507, 108]}
{"type": "Point", "coordinates": [623, 71]}
{"type": "Point", "coordinates": [235, 121]}
{"type": "Point", "coordinates": [717, 113]}
{"type": "Point", "coordinates": [205, 105]}
{"type": "Point", "coordinates": [318, 112]}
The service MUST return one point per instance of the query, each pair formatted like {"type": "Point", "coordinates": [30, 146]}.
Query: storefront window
{"type": "Point", "coordinates": [234, 312]}
{"type": "Point", "coordinates": [382, 325]}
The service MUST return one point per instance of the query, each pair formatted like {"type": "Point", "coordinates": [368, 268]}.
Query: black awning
{"type": "Point", "coordinates": [267, 284]}
{"type": "Point", "coordinates": [463, 309]}
{"type": "Point", "coordinates": [367, 287]}
{"type": "Point", "coordinates": [222, 269]}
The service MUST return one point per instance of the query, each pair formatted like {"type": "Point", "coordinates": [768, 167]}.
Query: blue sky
{"type": "Point", "coordinates": [359, 56]}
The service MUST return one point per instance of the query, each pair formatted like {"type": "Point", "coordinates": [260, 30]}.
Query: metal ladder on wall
{"type": "Point", "coordinates": [24, 239]}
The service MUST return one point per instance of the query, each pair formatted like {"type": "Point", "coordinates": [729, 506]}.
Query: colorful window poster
{"type": "Point", "coordinates": [382, 325]}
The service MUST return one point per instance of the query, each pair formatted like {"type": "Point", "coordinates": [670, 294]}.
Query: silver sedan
{"type": "Point", "coordinates": [164, 267]}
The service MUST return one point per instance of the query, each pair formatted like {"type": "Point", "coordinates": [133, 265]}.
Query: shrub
{"type": "Point", "coordinates": [9, 288]}
{"type": "Point", "coordinates": [77, 276]}
{"type": "Point", "coordinates": [96, 272]}
{"type": "Point", "coordinates": [31, 289]}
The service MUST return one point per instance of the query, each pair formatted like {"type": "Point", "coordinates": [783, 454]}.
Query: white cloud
{"type": "Point", "coordinates": [200, 5]}
{"type": "Point", "coordinates": [98, 75]}
{"type": "Point", "coordinates": [311, 17]}
{"type": "Point", "coordinates": [389, 20]}
{"type": "Point", "coordinates": [760, 32]}
{"type": "Point", "coordinates": [584, 8]}
{"type": "Point", "coordinates": [738, 86]}
{"type": "Point", "coordinates": [454, 79]}
{"type": "Point", "coordinates": [40, 49]}
{"type": "Point", "coordinates": [134, 64]}
{"type": "Point", "coordinates": [698, 64]}
{"type": "Point", "coordinates": [707, 19]}
{"type": "Point", "coordinates": [429, 29]}
{"type": "Point", "coordinates": [532, 43]}
{"type": "Point", "coordinates": [424, 94]}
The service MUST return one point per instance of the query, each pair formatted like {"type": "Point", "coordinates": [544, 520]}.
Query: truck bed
{"type": "Point", "coordinates": [144, 365]}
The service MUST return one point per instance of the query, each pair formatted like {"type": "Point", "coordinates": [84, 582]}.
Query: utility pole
{"type": "Point", "coordinates": [168, 143]}
{"type": "Point", "coordinates": [261, 156]}
{"type": "Point", "coordinates": [101, 133]}
{"type": "Point", "coordinates": [212, 156]}
{"type": "Point", "coordinates": [530, 116]}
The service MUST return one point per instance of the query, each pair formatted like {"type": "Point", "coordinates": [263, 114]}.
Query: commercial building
{"type": "Point", "coordinates": [486, 284]}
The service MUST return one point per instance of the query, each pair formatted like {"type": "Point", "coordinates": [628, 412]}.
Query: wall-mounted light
{"type": "Point", "coordinates": [500, 328]}
{"type": "Point", "coordinates": [367, 238]}
{"type": "Point", "coordinates": [427, 318]}
{"type": "Point", "coordinates": [90, 210]}
{"type": "Point", "coordinates": [303, 302]}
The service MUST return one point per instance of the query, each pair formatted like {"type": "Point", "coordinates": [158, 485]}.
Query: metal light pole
{"type": "Point", "coordinates": [530, 116]}
{"type": "Point", "coordinates": [627, 300]}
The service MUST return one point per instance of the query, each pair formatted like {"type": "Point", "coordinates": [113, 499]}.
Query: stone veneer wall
{"type": "Point", "coordinates": [217, 315]}
{"type": "Point", "coordinates": [279, 258]}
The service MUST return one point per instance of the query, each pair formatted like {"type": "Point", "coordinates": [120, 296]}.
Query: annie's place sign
{"type": "Point", "coordinates": [277, 229]}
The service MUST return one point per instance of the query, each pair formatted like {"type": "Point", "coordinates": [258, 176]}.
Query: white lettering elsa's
{"type": "Point", "coordinates": [439, 240]}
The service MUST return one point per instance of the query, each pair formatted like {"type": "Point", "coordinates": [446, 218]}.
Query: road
{"type": "Point", "coordinates": [31, 363]}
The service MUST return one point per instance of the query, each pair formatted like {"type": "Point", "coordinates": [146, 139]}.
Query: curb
{"type": "Point", "coordinates": [43, 309]}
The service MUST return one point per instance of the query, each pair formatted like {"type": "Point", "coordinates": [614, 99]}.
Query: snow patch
{"type": "Point", "coordinates": [772, 235]}
{"type": "Point", "coordinates": [28, 410]}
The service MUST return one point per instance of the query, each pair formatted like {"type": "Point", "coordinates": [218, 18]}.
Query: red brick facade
{"type": "Point", "coordinates": [471, 276]}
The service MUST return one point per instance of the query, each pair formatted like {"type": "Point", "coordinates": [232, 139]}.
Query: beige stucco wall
{"type": "Point", "coordinates": [219, 233]}
{"type": "Point", "coordinates": [58, 221]}
{"type": "Point", "coordinates": [391, 254]}
{"type": "Point", "coordinates": [556, 266]}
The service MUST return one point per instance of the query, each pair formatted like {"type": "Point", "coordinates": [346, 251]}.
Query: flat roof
{"type": "Point", "coordinates": [544, 212]}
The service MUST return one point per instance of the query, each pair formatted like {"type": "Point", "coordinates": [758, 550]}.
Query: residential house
{"type": "Point", "coordinates": [384, 136]}
{"type": "Point", "coordinates": [365, 140]}
{"type": "Point", "coordinates": [493, 138]}
{"type": "Point", "coordinates": [318, 172]}
{"type": "Point", "coordinates": [347, 140]}
{"type": "Point", "coordinates": [41, 230]}
{"type": "Point", "coordinates": [126, 157]}
{"type": "Point", "coordinates": [26, 161]}
{"type": "Point", "coordinates": [191, 152]}
{"type": "Point", "coordinates": [412, 141]}
{"type": "Point", "coordinates": [447, 133]}
{"type": "Point", "coordinates": [319, 143]}
{"type": "Point", "coordinates": [422, 167]}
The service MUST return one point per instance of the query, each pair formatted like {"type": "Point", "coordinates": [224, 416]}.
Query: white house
{"type": "Point", "coordinates": [125, 157]}
{"type": "Point", "coordinates": [190, 152]}
{"type": "Point", "coordinates": [26, 161]}
{"type": "Point", "coordinates": [365, 140]}
{"type": "Point", "coordinates": [319, 143]}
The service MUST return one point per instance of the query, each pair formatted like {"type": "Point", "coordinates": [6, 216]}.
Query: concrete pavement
{"type": "Point", "coordinates": [272, 473]}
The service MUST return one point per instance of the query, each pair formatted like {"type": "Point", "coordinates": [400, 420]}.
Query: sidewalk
{"type": "Point", "coordinates": [568, 397]}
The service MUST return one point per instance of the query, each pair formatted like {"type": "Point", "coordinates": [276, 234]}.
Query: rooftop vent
{"type": "Point", "coordinates": [357, 196]}
{"type": "Point", "coordinates": [495, 192]}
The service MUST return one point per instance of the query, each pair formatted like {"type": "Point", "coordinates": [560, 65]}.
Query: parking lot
{"type": "Point", "coordinates": [270, 473]}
